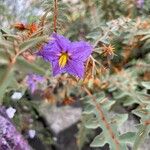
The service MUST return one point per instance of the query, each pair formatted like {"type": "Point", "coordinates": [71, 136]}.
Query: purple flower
{"type": "Point", "coordinates": [10, 138]}
{"type": "Point", "coordinates": [66, 56]}
{"type": "Point", "coordinates": [140, 3]}
{"type": "Point", "coordinates": [33, 80]}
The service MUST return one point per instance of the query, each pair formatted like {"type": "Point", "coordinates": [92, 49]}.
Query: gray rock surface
{"type": "Point", "coordinates": [60, 118]}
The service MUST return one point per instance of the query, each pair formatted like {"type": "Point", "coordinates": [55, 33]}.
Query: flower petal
{"type": "Point", "coordinates": [80, 50]}
{"type": "Point", "coordinates": [54, 47]}
{"type": "Point", "coordinates": [56, 68]}
{"type": "Point", "coordinates": [33, 80]}
{"type": "Point", "coordinates": [48, 55]}
{"type": "Point", "coordinates": [32, 87]}
{"type": "Point", "coordinates": [61, 41]}
{"type": "Point", "coordinates": [75, 68]}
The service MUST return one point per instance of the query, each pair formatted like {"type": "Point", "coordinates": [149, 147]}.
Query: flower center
{"type": "Point", "coordinates": [63, 59]}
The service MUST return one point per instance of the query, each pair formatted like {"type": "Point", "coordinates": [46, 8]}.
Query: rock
{"type": "Point", "coordinates": [145, 145]}
{"type": "Point", "coordinates": [60, 118]}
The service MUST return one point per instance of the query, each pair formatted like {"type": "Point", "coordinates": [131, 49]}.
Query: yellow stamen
{"type": "Point", "coordinates": [63, 59]}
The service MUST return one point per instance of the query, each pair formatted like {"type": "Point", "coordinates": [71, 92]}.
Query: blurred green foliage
{"type": "Point", "coordinates": [117, 74]}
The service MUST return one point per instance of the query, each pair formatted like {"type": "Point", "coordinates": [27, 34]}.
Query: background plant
{"type": "Point", "coordinates": [117, 73]}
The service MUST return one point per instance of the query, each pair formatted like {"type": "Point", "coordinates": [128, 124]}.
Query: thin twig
{"type": "Point", "coordinates": [55, 14]}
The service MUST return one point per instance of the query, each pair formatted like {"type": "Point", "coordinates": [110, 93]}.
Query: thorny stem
{"type": "Point", "coordinates": [8, 54]}
{"type": "Point", "coordinates": [11, 63]}
{"type": "Point", "coordinates": [55, 15]}
{"type": "Point", "coordinates": [103, 118]}
{"type": "Point", "coordinates": [95, 60]}
{"type": "Point", "coordinates": [147, 122]}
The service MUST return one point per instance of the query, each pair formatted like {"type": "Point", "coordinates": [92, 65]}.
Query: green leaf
{"type": "Point", "coordinates": [11, 36]}
{"type": "Point", "coordinates": [99, 107]}
{"type": "Point", "coordinates": [119, 95]}
{"type": "Point", "coordinates": [112, 88]}
{"type": "Point", "coordinates": [120, 118]}
{"type": "Point", "coordinates": [143, 113]}
{"type": "Point", "coordinates": [98, 141]}
{"type": "Point", "coordinates": [92, 123]}
{"type": "Point", "coordinates": [88, 109]}
{"type": "Point", "coordinates": [146, 44]}
{"type": "Point", "coordinates": [4, 58]}
{"type": "Point", "coordinates": [146, 84]}
{"type": "Point", "coordinates": [5, 44]}
{"type": "Point", "coordinates": [141, 136]}
{"type": "Point", "coordinates": [32, 43]}
{"type": "Point", "coordinates": [128, 101]}
{"type": "Point", "coordinates": [84, 135]}
{"type": "Point", "coordinates": [108, 104]}
{"type": "Point", "coordinates": [5, 31]}
{"type": "Point", "coordinates": [6, 78]}
{"type": "Point", "coordinates": [27, 67]}
{"type": "Point", "coordinates": [128, 137]}
{"type": "Point", "coordinates": [100, 96]}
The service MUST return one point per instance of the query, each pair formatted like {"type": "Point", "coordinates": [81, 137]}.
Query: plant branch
{"type": "Point", "coordinates": [103, 119]}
